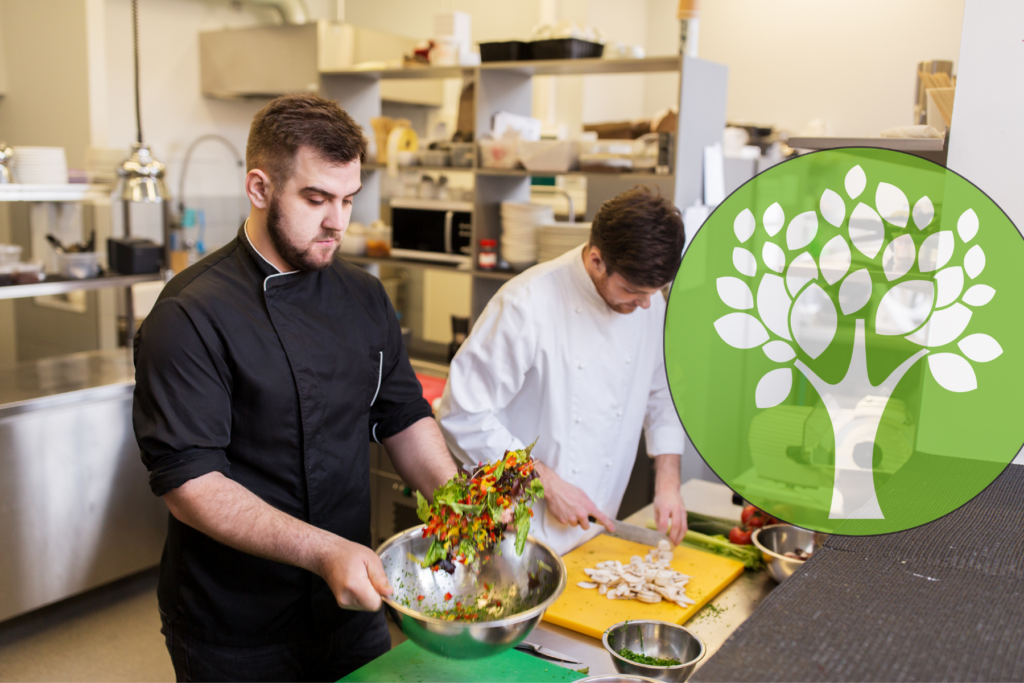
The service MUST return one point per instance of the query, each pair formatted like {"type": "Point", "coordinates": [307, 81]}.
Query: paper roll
{"type": "Point", "coordinates": [400, 139]}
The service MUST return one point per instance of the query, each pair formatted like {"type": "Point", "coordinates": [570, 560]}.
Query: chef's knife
{"type": "Point", "coordinates": [636, 534]}
{"type": "Point", "coordinates": [546, 653]}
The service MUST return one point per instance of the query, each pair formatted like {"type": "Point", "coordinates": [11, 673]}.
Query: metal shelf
{"type": "Point", "coordinates": [17, 192]}
{"type": "Point", "coordinates": [546, 67]}
{"type": "Point", "coordinates": [897, 144]}
{"type": "Point", "coordinates": [427, 169]}
{"type": "Point", "coordinates": [57, 285]}
{"type": "Point", "coordinates": [405, 263]}
{"type": "Point", "coordinates": [644, 175]}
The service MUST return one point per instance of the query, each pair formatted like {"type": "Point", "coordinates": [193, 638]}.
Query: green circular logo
{"type": "Point", "coordinates": [843, 341]}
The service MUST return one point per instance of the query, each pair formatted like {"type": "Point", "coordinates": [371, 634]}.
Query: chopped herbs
{"type": "Point", "coordinates": [626, 653]}
{"type": "Point", "coordinates": [472, 512]}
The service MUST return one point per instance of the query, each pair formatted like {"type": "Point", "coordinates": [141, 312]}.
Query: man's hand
{"type": "Point", "coordinates": [569, 504]}
{"type": "Point", "coordinates": [669, 511]}
{"type": "Point", "coordinates": [355, 575]}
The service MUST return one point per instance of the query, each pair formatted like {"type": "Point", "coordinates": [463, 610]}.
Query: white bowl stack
{"type": "Point", "coordinates": [40, 166]}
{"type": "Point", "coordinates": [519, 223]}
{"type": "Point", "coordinates": [554, 239]}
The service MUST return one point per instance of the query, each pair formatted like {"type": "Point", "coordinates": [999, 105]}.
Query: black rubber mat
{"type": "Point", "coordinates": [944, 602]}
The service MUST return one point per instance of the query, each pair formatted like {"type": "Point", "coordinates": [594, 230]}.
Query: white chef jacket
{"type": "Point", "coordinates": [549, 358]}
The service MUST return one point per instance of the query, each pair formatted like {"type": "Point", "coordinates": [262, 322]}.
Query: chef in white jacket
{"type": "Point", "coordinates": [571, 351]}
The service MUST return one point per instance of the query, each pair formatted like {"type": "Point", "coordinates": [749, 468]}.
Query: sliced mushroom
{"type": "Point", "coordinates": [587, 585]}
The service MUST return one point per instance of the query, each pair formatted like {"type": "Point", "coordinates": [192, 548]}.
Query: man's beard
{"type": "Point", "coordinates": [299, 259]}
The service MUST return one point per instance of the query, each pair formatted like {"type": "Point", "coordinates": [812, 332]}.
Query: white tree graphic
{"type": "Point", "coordinates": [928, 307]}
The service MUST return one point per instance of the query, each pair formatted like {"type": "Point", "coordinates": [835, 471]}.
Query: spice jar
{"type": "Point", "coordinates": [488, 255]}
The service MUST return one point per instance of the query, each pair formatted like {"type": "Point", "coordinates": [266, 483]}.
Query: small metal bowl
{"type": "Point", "coordinates": [505, 570]}
{"type": "Point", "coordinates": [659, 639]}
{"type": "Point", "coordinates": [775, 540]}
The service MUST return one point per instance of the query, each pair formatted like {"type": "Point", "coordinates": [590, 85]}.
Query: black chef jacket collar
{"type": "Point", "coordinates": [268, 274]}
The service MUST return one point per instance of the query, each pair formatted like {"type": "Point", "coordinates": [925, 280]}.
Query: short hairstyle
{"type": "Point", "coordinates": [304, 120]}
{"type": "Point", "coordinates": [640, 235]}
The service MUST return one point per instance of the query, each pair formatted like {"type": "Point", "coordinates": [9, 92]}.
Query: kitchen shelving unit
{"type": "Point", "coordinates": [507, 86]}
{"type": "Point", "coordinates": [932, 149]}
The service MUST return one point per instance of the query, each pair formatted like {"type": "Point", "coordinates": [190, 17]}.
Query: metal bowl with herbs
{"type": "Point", "coordinates": [465, 614]}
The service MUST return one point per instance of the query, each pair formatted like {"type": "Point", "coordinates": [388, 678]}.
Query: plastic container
{"type": "Point", "coordinates": [80, 266]}
{"type": "Point", "coordinates": [553, 156]}
{"type": "Point", "coordinates": [434, 157]}
{"type": "Point", "coordinates": [487, 258]}
{"type": "Point", "coordinates": [378, 240]}
{"type": "Point", "coordinates": [499, 154]}
{"type": "Point", "coordinates": [9, 253]}
{"type": "Point", "coordinates": [7, 274]}
{"type": "Point", "coordinates": [462, 154]}
{"type": "Point", "coordinates": [28, 273]}
{"type": "Point", "coordinates": [507, 51]}
{"type": "Point", "coordinates": [566, 48]}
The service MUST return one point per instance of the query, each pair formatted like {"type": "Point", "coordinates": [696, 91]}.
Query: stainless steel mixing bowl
{"type": "Point", "coordinates": [658, 639]}
{"type": "Point", "coordinates": [505, 573]}
{"type": "Point", "coordinates": [775, 540]}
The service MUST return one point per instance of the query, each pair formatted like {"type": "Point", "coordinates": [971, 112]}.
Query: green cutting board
{"type": "Point", "coordinates": [410, 663]}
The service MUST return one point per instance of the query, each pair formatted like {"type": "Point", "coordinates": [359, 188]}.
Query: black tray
{"type": "Point", "coordinates": [508, 51]}
{"type": "Point", "coordinates": [566, 48]}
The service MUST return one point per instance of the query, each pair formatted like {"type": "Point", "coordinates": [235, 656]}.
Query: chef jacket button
{"type": "Point", "coordinates": [575, 470]}
{"type": "Point", "coordinates": [607, 463]}
{"type": "Point", "coordinates": [578, 420]}
{"type": "Point", "coordinates": [580, 366]}
{"type": "Point", "coordinates": [618, 413]}
{"type": "Point", "coordinates": [579, 310]}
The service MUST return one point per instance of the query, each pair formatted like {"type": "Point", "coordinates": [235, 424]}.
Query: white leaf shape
{"type": "Point", "coordinates": [773, 305]}
{"type": "Point", "coordinates": [779, 351]}
{"type": "Point", "coordinates": [979, 295]}
{"type": "Point", "coordinates": [952, 372]}
{"type": "Point", "coordinates": [802, 230]}
{"type": "Point", "coordinates": [744, 225]}
{"type": "Point", "coordinates": [949, 283]}
{"type": "Point", "coordinates": [832, 208]}
{"type": "Point", "coordinates": [855, 182]}
{"type": "Point", "coordinates": [980, 348]}
{"type": "Point", "coordinates": [773, 257]}
{"type": "Point", "coordinates": [834, 260]}
{"type": "Point", "coordinates": [744, 261]}
{"type": "Point", "coordinates": [773, 388]}
{"type": "Point", "coordinates": [898, 257]}
{"type": "Point", "coordinates": [974, 261]}
{"type": "Point", "coordinates": [936, 250]}
{"type": "Point", "coordinates": [892, 204]}
{"type": "Point", "coordinates": [866, 231]}
{"type": "Point", "coordinates": [944, 327]}
{"type": "Point", "coordinates": [924, 212]}
{"type": "Point", "coordinates": [855, 291]}
{"type": "Point", "coordinates": [905, 307]}
{"type": "Point", "coordinates": [741, 331]}
{"type": "Point", "coordinates": [814, 320]}
{"type": "Point", "coordinates": [967, 225]}
{"type": "Point", "coordinates": [735, 293]}
{"type": "Point", "coordinates": [801, 271]}
{"type": "Point", "coordinates": [774, 218]}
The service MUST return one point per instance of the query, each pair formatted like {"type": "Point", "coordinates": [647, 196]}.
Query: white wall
{"type": "Point", "coordinates": [850, 62]}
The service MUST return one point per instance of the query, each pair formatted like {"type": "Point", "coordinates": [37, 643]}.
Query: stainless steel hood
{"type": "Point", "coordinates": [267, 61]}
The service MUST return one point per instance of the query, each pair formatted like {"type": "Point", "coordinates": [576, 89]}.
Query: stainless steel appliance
{"type": "Point", "coordinates": [431, 230]}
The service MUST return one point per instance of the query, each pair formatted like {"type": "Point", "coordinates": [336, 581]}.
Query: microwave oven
{"type": "Point", "coordinates": [431, 230]}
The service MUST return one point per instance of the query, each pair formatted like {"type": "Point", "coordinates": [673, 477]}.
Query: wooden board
{"type": "Point", "coordinates": [410, 663]}
{"type": "Point", "coordinates": [589, 613]}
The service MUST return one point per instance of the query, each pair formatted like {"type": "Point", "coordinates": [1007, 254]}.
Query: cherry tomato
{"type": "Point", "coordinates": [748, 512]}
{"type": "Point", "coordinates": [739, 535]}
{"type": "Point", "coordinates": [447, 596]}
{"type": "Point", "coordinates": [756, 521]}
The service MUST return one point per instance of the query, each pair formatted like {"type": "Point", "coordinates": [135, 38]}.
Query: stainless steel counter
{"type": "Point", "coordinates": [76, 510]}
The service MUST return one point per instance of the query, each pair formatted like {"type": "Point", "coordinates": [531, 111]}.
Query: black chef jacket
{"type": "Point", "coordinates": [278, 381]}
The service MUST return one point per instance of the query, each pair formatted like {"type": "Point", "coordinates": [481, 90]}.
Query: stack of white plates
{"type": "Point", "coordinates": [40, 166]}
{"type": "Point", "coordinates": [519, 223]}
{"type": "Point", "coordinates": [554, 239]}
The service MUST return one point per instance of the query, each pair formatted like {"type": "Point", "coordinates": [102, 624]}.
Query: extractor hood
{"type": "Point", "coordinates": [267, 61]}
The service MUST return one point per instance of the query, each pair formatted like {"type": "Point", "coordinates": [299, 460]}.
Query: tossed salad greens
{"type": "Point", "coordinates": [472, 511]}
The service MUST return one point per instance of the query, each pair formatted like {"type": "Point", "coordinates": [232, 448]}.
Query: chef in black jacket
{"type": "Point", "coordinates": [262, 374]}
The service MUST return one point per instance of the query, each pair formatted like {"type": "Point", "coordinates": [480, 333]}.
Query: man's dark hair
{"type": "Point", "coordinates": [640, 235]}
{"type": "Point", "coordinates": [305, 120]}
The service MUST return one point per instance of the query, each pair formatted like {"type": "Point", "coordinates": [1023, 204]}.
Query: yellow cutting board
{"type": "Point", "coordinates": [591, 613]}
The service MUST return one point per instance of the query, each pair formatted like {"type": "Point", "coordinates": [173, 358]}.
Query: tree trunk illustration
{"type": "Point", "coordinates": [853, 491]}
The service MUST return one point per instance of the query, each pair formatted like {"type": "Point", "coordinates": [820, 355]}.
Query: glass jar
{"type": "Point", "coordinates": [488, 255]}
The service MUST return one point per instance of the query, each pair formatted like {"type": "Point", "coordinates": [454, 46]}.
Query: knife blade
{"type": "Point", "coordinates": [546, 653]}
{"type": "Point", "coordinates": [636, 534]}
